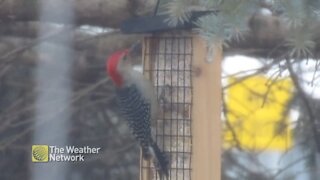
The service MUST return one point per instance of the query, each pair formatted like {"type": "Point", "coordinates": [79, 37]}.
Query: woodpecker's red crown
{"type": "Point", "coordinates": [112, 66]}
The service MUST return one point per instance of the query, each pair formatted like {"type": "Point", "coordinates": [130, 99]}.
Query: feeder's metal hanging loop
{"type": "Point", "coordinates": [210, 52]}
{"type": "Point", "coordinates": [156, 8]}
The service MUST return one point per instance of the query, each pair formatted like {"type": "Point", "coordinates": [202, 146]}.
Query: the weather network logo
{"type": "Point", "coordinates": [40, 153]}
{"type": "Point", "coordinates": [49, 153]}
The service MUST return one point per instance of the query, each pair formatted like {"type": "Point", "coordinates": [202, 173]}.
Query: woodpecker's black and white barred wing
{"type": "Point", "coordinates": [136, 110]}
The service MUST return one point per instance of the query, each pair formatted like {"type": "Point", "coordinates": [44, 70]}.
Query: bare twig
{"type": "Point", "coordinates": [258, 71]}
{"type": "Point", "coordinates": [269, 87]}
{"type": "Point", "coordinates": [5, 144]}
{"type": "Point", "coordinates": [230, 127]}
{"type": "Point", "coordinates": [293, 163]}
{"type": "Point", "coordinates": [315, 72]}
{"type": "Point", "coordinates": [10, 55]}
{"type": "Point", "coordinates": [302, 94]}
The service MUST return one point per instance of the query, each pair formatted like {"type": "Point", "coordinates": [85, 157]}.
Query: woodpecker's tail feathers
{"type": "Point", "coordinates": [161, 161]}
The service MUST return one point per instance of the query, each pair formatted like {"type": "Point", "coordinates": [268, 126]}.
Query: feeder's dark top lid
{"type": "Point", "coordinates": [152, 24]}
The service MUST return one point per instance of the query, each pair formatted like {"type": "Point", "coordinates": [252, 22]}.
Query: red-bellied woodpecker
{"type": "Point", "coordinates": [138, 105]}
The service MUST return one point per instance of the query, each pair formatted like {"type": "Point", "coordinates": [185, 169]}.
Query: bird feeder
{"type": "Point", "coordinates": [187, 83]}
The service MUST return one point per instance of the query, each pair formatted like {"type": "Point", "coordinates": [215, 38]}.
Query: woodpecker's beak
{"type": "Point", "coordinates": [133, 51]}
{"type": "Point", "coordinates": [135, 46]}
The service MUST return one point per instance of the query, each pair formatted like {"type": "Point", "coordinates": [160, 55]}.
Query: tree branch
{"type": "Point", "coordinates": [105, 13]}
{"type": "Point", "coordinates": [309, 109]}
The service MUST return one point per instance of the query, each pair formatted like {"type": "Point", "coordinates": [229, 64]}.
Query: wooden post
{"type": "Point", "coordinates": [145, 173]}
{"type": "Point", "coordinates": [206, 127]}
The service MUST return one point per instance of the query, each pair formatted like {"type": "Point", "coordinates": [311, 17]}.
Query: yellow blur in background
{"type": "Point", "coordinates": [256, 112]}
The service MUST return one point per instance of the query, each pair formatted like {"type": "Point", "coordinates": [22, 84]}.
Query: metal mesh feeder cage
{"type": "Point", "coordinates": [188, 88]}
